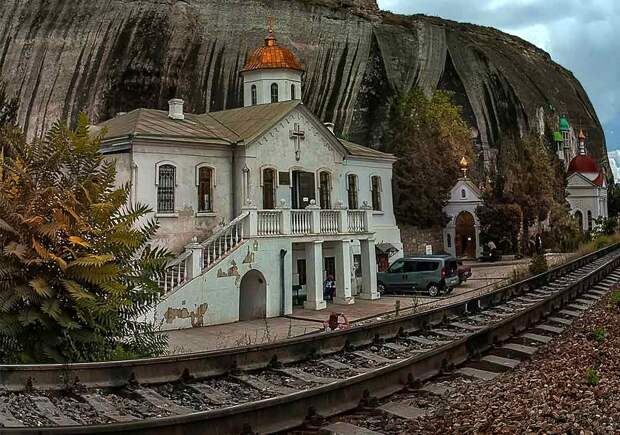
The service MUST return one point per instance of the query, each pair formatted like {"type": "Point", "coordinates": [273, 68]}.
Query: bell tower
{"type": "Point", "coordinates": [271, 74]}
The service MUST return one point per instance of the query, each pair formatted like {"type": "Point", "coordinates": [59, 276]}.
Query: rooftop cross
{"type": "Point", "coordinates": [297, 134]}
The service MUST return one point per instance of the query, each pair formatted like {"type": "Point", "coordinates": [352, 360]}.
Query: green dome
{"type": "Point", "coordinates": [564, 125]}
{"type": "Point", "coordinates": [557, 137]}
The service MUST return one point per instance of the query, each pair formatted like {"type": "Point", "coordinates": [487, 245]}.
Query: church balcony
{"type": "Point", "coordinates": [309, 222]}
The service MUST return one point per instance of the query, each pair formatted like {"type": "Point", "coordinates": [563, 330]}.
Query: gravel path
{"type": "Point", "coordinates": [547, 394]}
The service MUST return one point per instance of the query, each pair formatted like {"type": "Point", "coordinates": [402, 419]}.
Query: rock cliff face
{"type": "Point", "coordinates": [108, 56]}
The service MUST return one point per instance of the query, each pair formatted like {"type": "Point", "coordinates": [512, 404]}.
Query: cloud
{"type": "Point", "coordinates": [580, 35]}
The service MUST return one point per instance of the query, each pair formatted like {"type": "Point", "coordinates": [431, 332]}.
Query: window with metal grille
{"type": "Point", "coordinates": [165, 189]}
{"type": "Point", "coordinates": [274, 93]}
{"type": "Point", "coordinates": [376, 193]}
{"type": "Point", "coordinates": [293, 92]}
{"type": "Point", "coordinates": [205, 189]}
{"type": "Point", "coordinates": [590, 220]}
{"type": "Point", "coordinates": [325, 190]}
{"type": "Point", "coordinates": [254, 95]}
{"type": "Point", "coordinates": [352, 191]}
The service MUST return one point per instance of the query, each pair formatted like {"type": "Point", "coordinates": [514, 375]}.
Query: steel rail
{"type": "Point", "coordinates": [289, 411]}
{"type": "Point", "coordinates": [216, 363]}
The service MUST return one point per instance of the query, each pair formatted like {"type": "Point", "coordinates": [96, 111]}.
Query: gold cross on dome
{"type": "Point", "coordinates": [270, 24]}
{"type": "Point", "coordinates": [297, 134]}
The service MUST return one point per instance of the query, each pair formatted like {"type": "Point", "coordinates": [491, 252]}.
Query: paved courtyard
{"type": "Point", "coordinates": [485, 277]}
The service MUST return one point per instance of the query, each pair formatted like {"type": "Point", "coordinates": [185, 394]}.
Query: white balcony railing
{"type": "Point", "coordinates": [269, 222]}
{"type": "Point", "coordinates": [329, 222]}
{"type": "Point", "coordinates": [301, 222]}
{"type": "Point", "coordinates": [357, 221]}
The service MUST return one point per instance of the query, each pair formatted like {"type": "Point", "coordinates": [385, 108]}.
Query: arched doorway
{"type": "Point", "coordinates": [252, 296]}
{"type": "Point", "coordinates": [465, 240]}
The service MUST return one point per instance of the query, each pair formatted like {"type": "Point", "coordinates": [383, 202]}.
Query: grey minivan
{"type": "Point", "coordinates": [430, 273]}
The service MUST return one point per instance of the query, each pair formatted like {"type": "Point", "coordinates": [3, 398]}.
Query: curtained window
{"type": "Point", "coordinates": [205, 190]}
{"type": "Point", "coordinates": [352, 191]}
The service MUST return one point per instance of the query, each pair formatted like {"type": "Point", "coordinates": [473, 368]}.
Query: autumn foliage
{"type": "Point", "coordinates": [76, 270]}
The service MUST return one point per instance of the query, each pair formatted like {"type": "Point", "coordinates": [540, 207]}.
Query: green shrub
{"type": "Point", "coordinates": [539, 264]}
{"type": "Point", "coordinates": [600, 334]}
{"type": "Point", "coordinates": [592, 377]}
{"type": "Point", "coordinates": [615, 298]}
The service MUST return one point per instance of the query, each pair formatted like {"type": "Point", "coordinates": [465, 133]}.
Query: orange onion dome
{"type": "Point", "coordinates": [272, 56]}
{"type": "Point", "coordinates": [584, 165]}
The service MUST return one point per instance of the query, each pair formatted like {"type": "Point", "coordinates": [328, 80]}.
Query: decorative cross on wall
{"type": "Point", "coordinates": [297, 134]}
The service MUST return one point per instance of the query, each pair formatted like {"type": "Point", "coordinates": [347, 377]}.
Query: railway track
{"type": "Point", "coordinates": [279, 386]}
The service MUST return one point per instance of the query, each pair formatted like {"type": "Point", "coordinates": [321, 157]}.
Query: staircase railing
{"type": "Point", "coordinates": [176, 273]}
{"type": "Point", "coordinates": [224, 241]}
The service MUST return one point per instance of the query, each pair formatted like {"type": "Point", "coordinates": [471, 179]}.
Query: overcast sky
{"type": "Point", "coordinates": [581, 35]}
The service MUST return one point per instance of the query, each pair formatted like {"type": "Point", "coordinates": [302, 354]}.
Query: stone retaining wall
{"type": "Point", "coordinates": [415, 239]}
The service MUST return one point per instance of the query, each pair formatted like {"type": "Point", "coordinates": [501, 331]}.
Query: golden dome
{"type": "Point", "coordinates": [272, 56]}
{"type": "Point", "coordinates": [463, 164]}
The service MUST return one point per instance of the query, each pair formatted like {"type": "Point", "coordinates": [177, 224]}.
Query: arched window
{"type": "Point", "coordinates": [352, 191]}
{"type": "Point", "coordinates": [205, 189]}
{"type": "Point", "coordinates": [463, 194]}
{"type": "Point", "coordinates": [274, 93]}
{"type": "Point", "coordinates": [590, 222]}
{"type": "Point", "coordinates": [269, 189]}
{"type": "Point", "coordinates": [325, 190]}
{"type": "Point", "coordinates": [166, 183]}
{"type": "Point", "coordinates": [254, 95]}
{"type": "Point", "coordinates": [376, 193]}
{"type": "Point", "coordinates": [293, 97]}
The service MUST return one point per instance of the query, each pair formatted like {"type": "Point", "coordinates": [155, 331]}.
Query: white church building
{"type": "Point", "coordinates": [586, 188]}
{"type": "Point", "coordinates": [261, 203]}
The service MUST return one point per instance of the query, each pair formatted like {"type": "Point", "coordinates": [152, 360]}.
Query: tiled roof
{"type": "Point", "coordinates": [362, 151]}
{"type": "Point", "coordinates": [251, 122]}
{"type": "Point", "coordinates": [156, 123]}
{"type": "Point", "coordinates": [226, 127]}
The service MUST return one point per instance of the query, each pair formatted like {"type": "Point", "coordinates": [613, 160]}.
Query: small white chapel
{"type": "Point", "coordinates": [261, 203]}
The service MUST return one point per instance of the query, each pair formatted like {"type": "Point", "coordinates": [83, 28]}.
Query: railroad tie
{"type": "Point", "coordinates": [583, 301]}
{"type": "Point", "coordinates": [159, 401]}
{"type": "Point", "coordinates": [483, 375]}
{"type": "Point", "coordinates": [306, 377]}
{"type": "Point", "coordinates": [337, 365]}
{"type": "Point", "coordinates": [549, 328]}
{"type": "Point", "coordinates": [465, 326]}
{"type": "Point", "coordinates": [7, 419]}
{"type": "Point", "coordinates": [560, 320]}
{"type": "Point", "coordinates": [592, 298]}
{"type": "Point", "coordinates": [214, 396]}
{"type": "Point", "coordinates": [342, 428]}
{"type": "Point", "coordinates": [403, 410]}
{"type": "Point", "coordinates": [537, 337]}
{"type": "Point", "coordinates": [448, 334]}
{"type": "Point", "coordinates": [424, 341]}
{"type": "Point", "coordinates": [579, 307]}
{"type": "Point", "coordinates": [598, 292]}
{"type": "Point", "coordinates": [105, 407]}
{"type": "Point", "coordinates": [502, 362]}
{"type": "Point", "coordinates": [50, 411]}
{"type": "Point", "coordinates": [438, 389]}
{"type": "Point", "coordinates": [520, 348]}
{"type": "Point", "coordinates": [263, 385]}
{"type": "Point", "coordinates": [373, 357]}
{"type": "Point", "coordinates": [570, 313]}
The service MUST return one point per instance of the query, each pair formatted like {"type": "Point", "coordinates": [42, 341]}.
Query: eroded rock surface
{"type": "Point", "coordinates": [109, 56]}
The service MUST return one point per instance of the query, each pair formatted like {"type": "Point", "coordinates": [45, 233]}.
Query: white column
{"type": "Point", "coordinates": [194, 262]}
{"type": "Point", "coordinates": [478, 244]}
{"type": "Point", "coordinates": [315, 219]}
{"type": "Point", "coordinates": [314, 276]}
{"type": "Point", "coordinates": [251, 225]}
{"type": "Point", "coordinates": [343, 273]}
{"type": "Point", "coordinates": [369, 270]}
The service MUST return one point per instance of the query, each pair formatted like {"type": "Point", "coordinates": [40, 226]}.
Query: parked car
{"type": "Point", "coordinates": [431, 273]}
{"type": "Point", "coordinates": [464, 272]}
